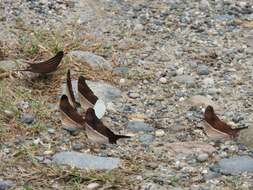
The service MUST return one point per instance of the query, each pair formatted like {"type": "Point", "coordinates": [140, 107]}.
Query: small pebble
{"type": "Point", "coordinates": [9, 114]}
{"type": "Point", "coordinates": [122, 81]}
{"type": "Point", "coordinates": [202, 70]}
{"type": "Point", "coordinates": [51, 131]}
{"type": "Point", "coordinates": [27, 118]}
{"type": "Point", "coordinates": [159, 133]}
{"type": "Point", "coordinates": [133, 95]}
{"type": "Point", "coordinates": [93, 186]}
{"type": "Point", "coordinates": [163, 80]}
{"type": "Point", "coordinates": [202, 157]}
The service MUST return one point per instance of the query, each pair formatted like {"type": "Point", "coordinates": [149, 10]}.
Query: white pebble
{"type": "Point", "coordinates": [92, 186]}
{"type": "Point", "coordinates": [159, 133]}
{"type": "Point", "coordinates": [163, 80]}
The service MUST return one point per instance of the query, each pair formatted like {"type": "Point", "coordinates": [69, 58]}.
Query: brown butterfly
{"type": "Point", "coordinates": [97, 131]}
{"type": "Point", "coordinates": [45, 67]}
{"type": "Point", "coordinates": [69, 116]}
{"type": "Point", "coordinates": [70, 93]}
{"type": "Point", "coordinates": [86, 97]}
{"type": "Point", "coordinates": [219, 126]}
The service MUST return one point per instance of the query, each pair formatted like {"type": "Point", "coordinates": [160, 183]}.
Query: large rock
{"type": "Point", "coordinates": [190, 147]}
{"type": "Point", "coordinates": [8, 65]}
{"type": "Point", "coordinates": [6, 184]}
{"type": "Point", "coordinates": [86, 161]}
{"type": "Point", "coordinates": [235, 165]}
{"type": "Point", "coordinates": [95, 61]}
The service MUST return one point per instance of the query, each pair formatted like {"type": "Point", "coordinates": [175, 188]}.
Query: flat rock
{"type": "Point", "coordinates": [146, 138]}
{"type": "Point", "coordinates": [190, 147]}
{"type": "Point", "coordinates": [6, 184]}
{"type": "Point", "coordinates": [104, 91]}
{"type": "Point", "coordinates": [95, 61]}
{"type": "Point", "coordinates": [139, 125]}
{"type": "Point", "coordinates": [86, 161]}
{"type": "Point", "coordinates": [199, 100]}
{"type": "Point", "coordinates": [185, 79]}
{"type": "Point", "coordinates": [235, 165]}
{"type": "Point", "coordinates": [8, 65]}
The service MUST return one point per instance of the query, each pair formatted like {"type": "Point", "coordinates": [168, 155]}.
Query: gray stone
{"type": "Point", "coordinates": [121, 70]}
{"type": "Point", "coordinates": [133, 95]}
{"type": "Point", "coordinates": [185, 79]}
{"type": "Point", "coordinates": [51, 131]}
{"type": "Point", "coordinates": [202, 70]}
{"type": "Point", "coordinates": [72, 130]}
{"type": "Point", "coordinates": [95, 61]}
{"type": "Point", "coordinates": [27, 118]}
{"type": "Point", "coordinates": [7, 65]}
{"type": "Point", "coordinates": [77, 146]}
{"type": "Point", "coordinates": [202, 157]}
{"type": "Point", "coordinates": [146, 138]}
{"type": "Point", "coordinates": [235, 165]}
{"type": "Point", "coordinates": [86, 161]}
{"type": "Point", "coordinates": [104, 91]}
{"type": "Point", "coordinates": [204, 5]}
{"type": "Point", "coordinates": [138, 126]}
{"type": "Point", "coordinates": [6, 184]}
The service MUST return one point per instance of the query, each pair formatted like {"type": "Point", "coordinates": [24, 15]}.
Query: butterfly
{"type": "Point", "coordinates": [97, 131]}
{"type": "Point", "coordinates": [45, 67]}
{"type": "Point", "coordinates": [218, 126]}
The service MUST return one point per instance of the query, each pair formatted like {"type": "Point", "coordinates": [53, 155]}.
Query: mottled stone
{"type": "Point", "coordinates": [138, 125]}
{"type": "Point", "coordinates": [95, 61]}
{"type": "Point", "coordinates": [235, 165]}
{"type": "Point", "coordinates": [86, 161]}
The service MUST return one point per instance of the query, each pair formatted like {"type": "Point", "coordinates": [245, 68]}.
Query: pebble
{"type": "Point", "coordinates": [202, 157]}
{"type": "Point", "coordinates": [9, 114]}
{"type": "Point", "coordinates": [163, 80]}
{"type": "Point", "coordinates": [77, 146]}
{"type": "Point", "coordinates": [27, 118]}
{"type": "Point", "coordinates": [208, 82]}
{"type": "Point", "coordinates": [93, 186]}
{"type": "Point", "coordinates": [202, 70]}
{"type": "Point", "coordinates": [51, 131]}
{"type": "Point", "coordinates": [180, 71]}
{"type": "Point", "coordinates": [159, 133]}
{"type": "Point", "coordinates": [133, 95]}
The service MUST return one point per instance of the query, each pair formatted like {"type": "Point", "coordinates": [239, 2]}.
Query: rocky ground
{"type": "Point", "coordinates": [157, 65]}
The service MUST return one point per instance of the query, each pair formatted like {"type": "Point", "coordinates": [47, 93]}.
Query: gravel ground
{"type": "Point", "coordinates": [164, 60]}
